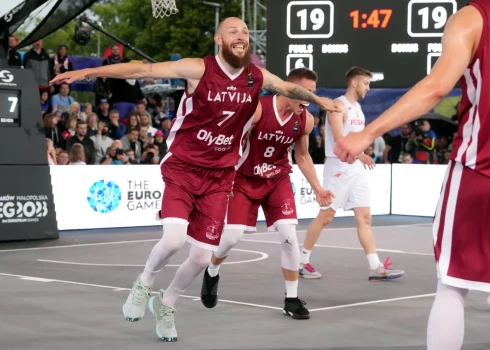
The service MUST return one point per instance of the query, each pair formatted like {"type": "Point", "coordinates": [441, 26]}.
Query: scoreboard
{"type": "Point", "coordinates": [399, 41]}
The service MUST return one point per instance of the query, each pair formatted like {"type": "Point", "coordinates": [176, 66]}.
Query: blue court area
{"type": "Point", "coordinates": [68, 293]}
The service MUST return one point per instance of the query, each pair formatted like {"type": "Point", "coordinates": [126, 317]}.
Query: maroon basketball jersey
{"type": "Point", "coordinates": [268, 149]}
{"type": "Point", "coordinates": [212, 121]}
{"type": "Point", "coordinates": [471, 147]}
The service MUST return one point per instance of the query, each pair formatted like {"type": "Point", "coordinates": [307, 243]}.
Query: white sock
{"type": "Point", "coordinates": [291, 289]}
{"type": "Point", "coordinates": [213, 270]}
{"type": "Point", "coordinates": [446, 321]}
{"type": "Point", "coordinates": [305, 256]}
{"type": "Point", "coordinates": [374, 261]}
{"type": "Point", "coordinates": [186, 274]}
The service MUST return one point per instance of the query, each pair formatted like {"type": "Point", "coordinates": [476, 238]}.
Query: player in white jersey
{"type": "Point", "coordinates": [348, 182]}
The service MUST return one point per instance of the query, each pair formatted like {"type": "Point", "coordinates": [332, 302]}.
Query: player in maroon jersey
{"type": "Point", "coordinates": [263, 180]}
{"type": "Point", "coordinates": [204, 145]}
{"type": "Point", "coordinates": [461, 228]}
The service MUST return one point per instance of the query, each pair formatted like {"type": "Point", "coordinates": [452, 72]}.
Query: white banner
{"type": "Point", "coordinates": [102, 196]}
{"type": "Point", "coordinates": [416, 188]}
{"type": "Point", "coordinates": [99, 196]}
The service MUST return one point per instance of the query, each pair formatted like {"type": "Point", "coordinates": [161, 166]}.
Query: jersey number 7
{"type": "Point", "coordinates": [229, 115]}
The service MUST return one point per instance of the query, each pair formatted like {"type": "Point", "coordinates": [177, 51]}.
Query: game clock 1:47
{"type": "Point", "coordinates": [9, 108]}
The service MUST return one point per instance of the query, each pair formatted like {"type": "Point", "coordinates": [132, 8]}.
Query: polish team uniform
{"type": "Point", "coordinates": [461, 228]}
{"type": "Point", "coordinates": [204, 146]}
{"type": "Point", "coordinates": [262, 177]}
{"type": "Point", "coordinates": [348, 182]}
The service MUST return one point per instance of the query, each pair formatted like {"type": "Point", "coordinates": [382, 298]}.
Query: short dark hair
{"type": "Point", "coordinates": [356, 72]}
{"type": "Point", "coordinates": [302, 73]}
{"type": "Point", "coordinates": [81, 122]}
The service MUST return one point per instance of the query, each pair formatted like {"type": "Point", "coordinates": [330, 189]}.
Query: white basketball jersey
{"type": "Point", "coordinates": [355, 122]}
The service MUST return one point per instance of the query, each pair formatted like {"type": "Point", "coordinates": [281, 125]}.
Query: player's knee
{"type": "Point", "coordinates": [364, 219]}
{"type": "Point", "coordinates": [326, 216]}
{"type": "Point", "coordinates": [290, 248]}
{"type": "Point", "coordinates": [174, 236]}
{"type": "Point", "coordinates": [232, 236]}
{"type": "Point", "coordinates": [200, 256]}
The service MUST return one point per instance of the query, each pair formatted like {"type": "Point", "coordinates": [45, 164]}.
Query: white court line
{"type": "Point", "coordinates": [157, 239]}
{"type": "Point", "coordinates": [39, 279]}
{"type": "Point", "coordinates": [341, 247]}
{"type": "Point", "coordinates": [261, 257]}
{"type": "Point", "coordinates": [373, 302]}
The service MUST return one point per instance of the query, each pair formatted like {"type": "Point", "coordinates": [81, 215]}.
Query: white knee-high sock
{"type": "Point", "coordinates": [229, 239]}
{"type": "Point", "coordinates": [174, 235]}
{"type": "Point", "coordinates": [446, 321]}
{"type": "Point", "coordinates": [186, 274]}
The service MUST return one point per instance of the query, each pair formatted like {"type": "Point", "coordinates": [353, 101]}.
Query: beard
{"type": "Point", "coordinates": [235, 61]}
{"type": "Point", "coordinates": [104, 132]}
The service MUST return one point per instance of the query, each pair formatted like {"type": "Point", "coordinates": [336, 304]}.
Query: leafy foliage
{"type": "Point", "coordinates": [189, 32]}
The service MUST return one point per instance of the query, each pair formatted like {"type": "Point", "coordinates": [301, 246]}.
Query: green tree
{"type": "Point", "coordinates": [189, 32]}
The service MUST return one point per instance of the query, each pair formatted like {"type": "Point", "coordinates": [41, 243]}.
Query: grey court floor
{"type": "Point", "coordinates": [68, 293]}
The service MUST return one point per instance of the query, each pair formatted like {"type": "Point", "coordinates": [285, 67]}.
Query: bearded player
{"type": "Point", "coordinates": [263, 180]}
{"type": "Point", "coordinates": [461, 229]}
{"type": "Point", "coordinates": [349, 182]}
{"type": "Point", "coordinates": [204, 145]}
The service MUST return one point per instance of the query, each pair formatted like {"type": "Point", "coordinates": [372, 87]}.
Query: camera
{"type": "Point", "coordinates": [119, 151]}
{"type": "Point", "coordinates": [150, 155]}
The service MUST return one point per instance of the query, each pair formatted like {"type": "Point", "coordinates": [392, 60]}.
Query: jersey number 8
{"type": "Point", "coordinates": [268, 152]}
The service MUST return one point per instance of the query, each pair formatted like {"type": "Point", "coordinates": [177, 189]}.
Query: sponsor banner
{"type": "Point", "coordinates": [26, 206]}
{"type": "Point", "coordinates": [99, 196]}
{"type": "Point", "coordinates": [416, 188]}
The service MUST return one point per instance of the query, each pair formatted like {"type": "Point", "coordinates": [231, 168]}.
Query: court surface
{"type": "Point", "coordinates": [68, 293]}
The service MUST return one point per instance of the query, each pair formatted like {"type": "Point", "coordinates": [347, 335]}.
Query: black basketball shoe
{"type": "Point", "coordinates": [209, 290]}
{"type": "Point", "coordinates": [295, 308]}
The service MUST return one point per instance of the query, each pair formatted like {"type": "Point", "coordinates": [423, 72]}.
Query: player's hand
{"type": "Point", "coordinates": [324, 197]}
{"type": "Point", "coordinates": [330, 105]}
{"type": "Point", "coordinates": [68, 77]}
{"type": "Point", "coordinates": [367, 161]}
{"type": "Point", "coordinates": [347, 148]}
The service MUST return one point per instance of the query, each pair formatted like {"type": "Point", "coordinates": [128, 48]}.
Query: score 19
{"type": "Point", "coordinates": [310, 19]}
{"type": "Point", "coordinates": [428, 18]}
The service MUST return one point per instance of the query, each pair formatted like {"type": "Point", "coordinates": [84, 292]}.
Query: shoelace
{"type": "Point", "coordinates": [309, 268]}
{"type": "Point", "coordinates": [387, 263]}
{"type": "Point", "coordinates": [167, 314]}
{"type": "Point", "coordinates": [140, 294]}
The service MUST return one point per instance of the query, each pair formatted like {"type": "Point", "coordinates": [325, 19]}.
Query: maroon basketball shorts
{"type": "Point", "coordinates": [274, 195]}
{"type": "Point", "coordinates": [196, 195]}
{"type": "Point", "coordinates": [461, 229]}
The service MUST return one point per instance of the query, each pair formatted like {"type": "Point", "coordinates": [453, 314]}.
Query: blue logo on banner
{"type": "Point", "coordinates": [294, 188]}
{"type": "Point", "coordinates": [104, 196]}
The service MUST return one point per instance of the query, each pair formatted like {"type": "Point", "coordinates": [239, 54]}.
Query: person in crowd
{"type": "Point", "coordinates": [77, 155]}
{"type": "Point", "coordinates": [87, 143]}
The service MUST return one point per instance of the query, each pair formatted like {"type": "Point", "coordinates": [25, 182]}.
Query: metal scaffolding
{"type": "Point", "coordinates": [254, 13]}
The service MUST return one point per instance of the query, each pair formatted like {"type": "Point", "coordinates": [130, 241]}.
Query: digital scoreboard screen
{"type": "Point", "coordinates": [398, 40]}
{"type": "Point", "coordinates": [9, 108]}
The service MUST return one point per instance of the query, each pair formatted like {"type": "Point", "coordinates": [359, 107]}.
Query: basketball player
{"type": "Point", "coordinates": [204, 145]}
{"type": "Point", "coordinates": [461, 229]}
{"type": "Point", "coordinates": [263, 180]}
{"type": "Point", "coordinates": [348, 182]}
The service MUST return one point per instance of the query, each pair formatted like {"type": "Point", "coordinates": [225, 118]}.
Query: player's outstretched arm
{"type": "Point", "coordinates": [275, 84]}
{"type": "Point", "coordinates": [305, 164]}
{"type": "Point", "coordinates": [459, 43]}
{"type": "Point", "coordinates": [187, 68]}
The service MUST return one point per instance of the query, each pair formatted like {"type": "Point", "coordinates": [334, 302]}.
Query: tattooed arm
{"type": "Point", "coordinates": [276, 85]}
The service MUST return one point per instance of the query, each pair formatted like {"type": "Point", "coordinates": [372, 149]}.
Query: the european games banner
{"type": "Point", "coordinates": [130, 195]}
{"type": "Point", "coordinates": [102, 196]}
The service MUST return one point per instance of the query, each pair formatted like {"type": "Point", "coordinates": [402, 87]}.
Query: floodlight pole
{"type": "Point", "coordinates": [217, 6]}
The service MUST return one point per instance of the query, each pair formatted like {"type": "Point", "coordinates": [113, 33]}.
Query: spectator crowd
{"type": "Point", "coordinates": [125, 128]}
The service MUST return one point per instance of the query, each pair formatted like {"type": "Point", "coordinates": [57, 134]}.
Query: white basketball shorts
{"type": "Point", "coordinates": [348, 183]}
